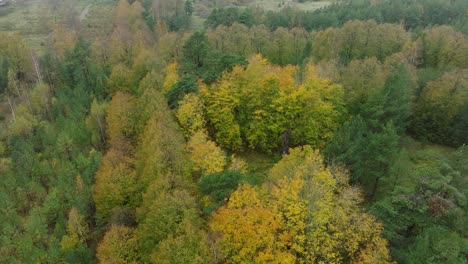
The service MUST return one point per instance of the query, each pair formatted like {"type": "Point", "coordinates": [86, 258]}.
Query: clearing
{"type": "Point", "coordinates": [275, 5]}
{"type": "Point", "coordinates": [33, 19]}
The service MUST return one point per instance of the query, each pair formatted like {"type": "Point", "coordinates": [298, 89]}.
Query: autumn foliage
{"type": "Point", "coordinates": [305, 213]}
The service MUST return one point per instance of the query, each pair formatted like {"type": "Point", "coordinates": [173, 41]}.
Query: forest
{"type": "Point", "coordinates": [234, 131]}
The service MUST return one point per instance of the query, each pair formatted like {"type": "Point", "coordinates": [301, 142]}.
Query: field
{"type": "Point", "coordinates": [33, 19]}
{"type": "Point", "coordinates": [275, 5]}
{"type": "Point", "coordinates": [202, 10]}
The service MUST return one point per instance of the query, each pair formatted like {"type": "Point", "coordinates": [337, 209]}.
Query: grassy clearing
{"type": "Point", "coordinates": [275, 5]}
{"type": "Point", "coordinates": [421, 158]}
{"type": "Point", "coordinates": [259, 163]}
{"type": "Point", "coordinates": [197, 22]}
{"type": "Point", "coordinates": [33, 19]}
{"type": "Point", "coordinates": [99, 21]}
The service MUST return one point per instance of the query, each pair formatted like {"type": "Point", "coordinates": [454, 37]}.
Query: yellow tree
{"type": "Point", "coordinates": [120, 79]}
{"type": "Point", "coordinates": [171, 77]}
{"type": "Point", "coordinates": [250, 230]}
{"type": "Point", "coordinates": [62, 39]}
{"type": "Point", "coordinates": [190, 114]}
{"type": "Point", "coordinates": [119, 119]}
{"type": "Point", "coordinates": [116, 185]}
{"type": "Point", "coordinates": [238, 164]}
{"type": "Point", "coordinates": [77, 230]}
{"type": "Point", "coordinates": [263, 107]}
{"type": "Point", "coordinates": [40, 97]}
{"type": "Point", "coordinates": [119, 246]}
{"type": "Point", "coordinates": [206, 156]}
{"type": "Point", "coordinates": [189, 247]}
{"type": "Point", "coordinates": [161, 151]}
{"type": "Point", "coordinates": [304, 213]}
{"type": "Point", "coordinates": [222, 100]}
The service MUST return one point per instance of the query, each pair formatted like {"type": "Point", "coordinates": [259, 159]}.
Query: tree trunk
{"type": "Point", "coordinates": [286, 139]}
{"type": "Point", "coordinates": [36, 67]}
{"type": "Point", "coordinates": [374, 189]}
{"type": "Point", "coordinates": [12, 109]}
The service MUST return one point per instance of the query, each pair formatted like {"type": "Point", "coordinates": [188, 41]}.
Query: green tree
{"type": "Point", "coordinates": [218, 186]}
{"type": "Point", "coordinates": [392, 103]}
{"type": "Point", "coordinates": [186, 85]}
{"type": "Point", "coordinates": [369, 155]}
{"type": "Point", "coordinates": [79, 70]}
{"type": "Point", "coordinates": [195, 51]}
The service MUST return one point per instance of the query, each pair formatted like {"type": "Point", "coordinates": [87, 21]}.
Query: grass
{"type": "Point", "coordinates": [259, 163]}
{"type": "Point", "coordinates": [422, 158]}
{"type": "Point", "coordinates": [32, 19]}
{"type": "Point", "coordinates": [275, 5]}
{"type": "Point", "coordinates": [197, 22]}
{"type": "Point", "coordinates": [99, 21]}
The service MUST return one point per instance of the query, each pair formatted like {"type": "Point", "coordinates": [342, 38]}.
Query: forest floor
{"type": "Point", "coordinates": [259, 163]}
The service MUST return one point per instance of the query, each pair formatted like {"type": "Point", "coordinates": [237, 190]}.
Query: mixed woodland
{"type": "Point", "coordinates": [335, 135]}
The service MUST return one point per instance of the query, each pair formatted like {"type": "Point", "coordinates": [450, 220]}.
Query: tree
{"type": "Point", "coordinates": [437, 244]}
{"type": "Point", "coordinates": [119, 119]}
{"type": "Point", "coordinates": [217, 187]}
{"type": "Point", "coordinates": [168, 214]}
{"type": "Point", "coordinates": [190, 247]}
{"type": "Point", "coordinates": [116, 185]}
{"type": "Point", "coordinates": [194, 52]}
{"type": "Point", "coordinates": [361, 80]}
{"type": "Point", "coordinates": [392, 103]}
{"type": "Point", "coordinates": [368, 154]}
{"type": "Point", "coordinates": [77, 229]}
{"type": "Point", "coordinates": [120, 80]}
{"type": "Point", "coordinates": [358, 40]}
{"type": "Point", "coordinates": [96, 123]}
{"type": "Point", "coordinates": [250, 230]}
{"type": "Point", "coordinates": [444, 47]}
{"type": "Point", "coordinates": [186, 85]}
{"type": "Point", "coordinates": [118, 246]}
{"type": "Point", "coordinates": [190, 114]}
{"type": "Point", "coordinates": [40, 97]}
{"type": "Point", "coordinates": [161, 153]}
{"type": "Point", "coordinates": [188, 7]}
{"type": "Point", "coordinates": [261, 106]}
{"type": "Point", "coordinates": [206, 156]}
{"type": "Point", "coordinates": [304, 213]}
{"type": "Point", "coordinates": [441, 110]}
{"type": "Point", "coordinates": [434, 204]}
{"type": "Point", "coordinates": [171, 77]}
{"type": "Point", "coordinates": [79, 70]}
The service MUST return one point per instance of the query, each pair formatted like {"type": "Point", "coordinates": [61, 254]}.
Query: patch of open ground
{"type": "Point", "coordinates": [275, 5]}
{"type": "Point", "coordinates": [33, 19]}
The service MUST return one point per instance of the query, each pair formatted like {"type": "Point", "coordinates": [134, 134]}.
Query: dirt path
{"type": "Point", "coordinates": [85, 12]}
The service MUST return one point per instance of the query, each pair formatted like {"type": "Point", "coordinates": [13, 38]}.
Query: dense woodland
{"type": "Point", "coordinates": [284, 136]}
